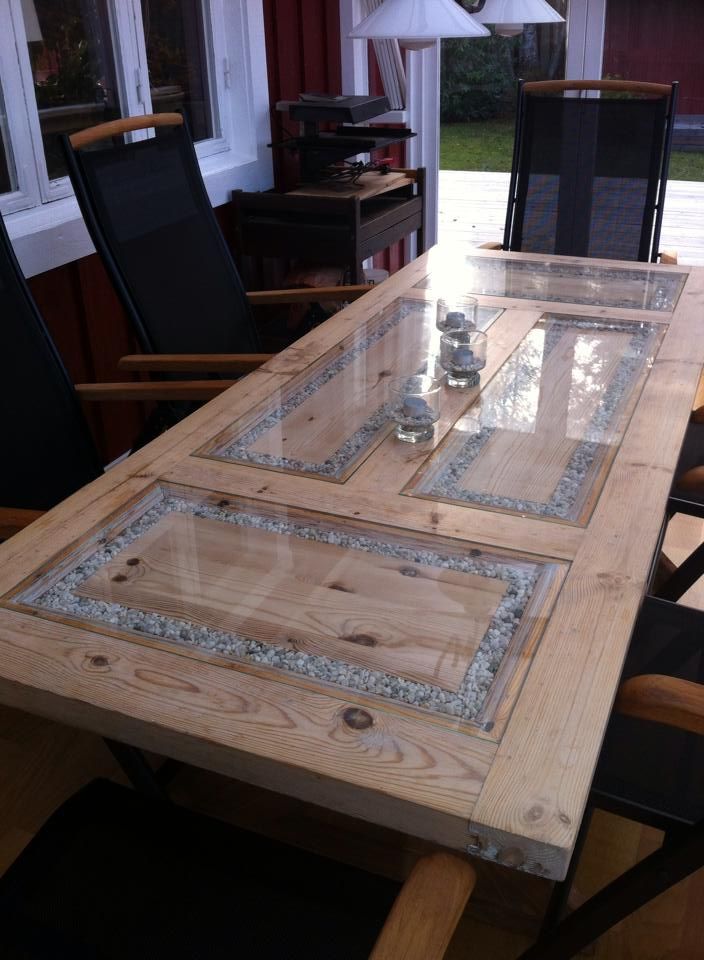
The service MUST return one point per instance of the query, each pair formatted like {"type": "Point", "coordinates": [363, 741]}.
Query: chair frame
{"type": "Point", "coordinates": [662, 699]}
{"type": "Point", "coordinates": [540, 87]}
{"type": "Point", "coordinates": [150, 360]}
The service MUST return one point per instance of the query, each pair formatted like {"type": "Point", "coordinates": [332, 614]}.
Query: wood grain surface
{"type": "Point", "coordinates": [517, 800]}
{"type": "Point", "coordinates": [417, 621]}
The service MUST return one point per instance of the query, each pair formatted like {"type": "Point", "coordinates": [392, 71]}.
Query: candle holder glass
{"type": "Point", "coordinates": [458, 313]}
{"type": "Point", "coordinates": [414, 406]}
{"type": "Point", "coordinates": [462, 356]}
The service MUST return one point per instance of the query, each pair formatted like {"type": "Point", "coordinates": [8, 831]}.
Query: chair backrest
{"type": "Point", "coordinates": [589, 172]}
{"type": "Point", "coordinates": [148, 213]}
{"type": "Point", "coordinates": [48, 452]}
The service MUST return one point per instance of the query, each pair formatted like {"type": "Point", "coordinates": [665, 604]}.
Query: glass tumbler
{"type": "Point", "coordinates": [458, 313]}
{"type": "Point", "coordinates": [414, 406]}
{"type": "Point", "coordinates": [462, 356]}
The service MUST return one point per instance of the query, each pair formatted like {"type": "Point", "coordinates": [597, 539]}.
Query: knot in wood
{"type": "Point", "coordinates": [535, 813]}
{"type": "Point", "coordinates": [362, 639]}
{"type": "Point", "coordinates": [132, 561]}
{"type": "Point", "coordinates": [357, 719]}
{"type": "Point", "coordinates": [99, 661]}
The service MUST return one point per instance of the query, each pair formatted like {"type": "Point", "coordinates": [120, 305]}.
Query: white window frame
{"type": "Point", "coordinates": [42, 216]}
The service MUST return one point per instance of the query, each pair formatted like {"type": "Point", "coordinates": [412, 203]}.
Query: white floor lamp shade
{"type": "Point", "coordinates": [418, 23]}
{"type": "Point", "coordinates": [510, 15]}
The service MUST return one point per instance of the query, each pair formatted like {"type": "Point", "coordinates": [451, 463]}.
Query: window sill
{"type": "Point", "coordinates": [54, 234]}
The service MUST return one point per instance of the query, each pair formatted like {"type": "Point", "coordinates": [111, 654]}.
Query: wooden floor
{"type": "Point", "coordinates": [42, 762]}
{"type": "Point", "coordinates": [473, 209]}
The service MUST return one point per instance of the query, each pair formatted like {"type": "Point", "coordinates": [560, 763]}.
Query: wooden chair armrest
{"type": "Point", "coordinates": [306, 294]}
{"type": "Point", "coordinates": [490, 245]}
{"type": "Point", "coordinates": [651, 696]}
{"type": "Point", "coordinates": [194, 362]}
{"type": "Point", "coordinates": [691, 480]}
{"type": "Point", "coordinates": [427, 910]}
{"type": "Point", "coordinates": [668, 256]}
{"type": "Point", "coordinates": [159, 390]}
{"type": "Point", "coordinates": [115, 128]}
{"type": "Point", "coordinates": [12, 520]}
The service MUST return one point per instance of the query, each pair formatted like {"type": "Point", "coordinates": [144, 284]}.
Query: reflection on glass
{"type": "Point", "coordinates": [543, 432]}
{"type": "Point", "coordinates": [414, 618]}
{"type": "Point", "coordinates": [555, 280]}
{"type": "Point", "coordinates": [8, 178]}
{"type": "Point", "coordinates": [177, 62]}
{"type": "Point", "coordinates": [330, 417]}
{"type": "Point", "coordinates": [73, 67]}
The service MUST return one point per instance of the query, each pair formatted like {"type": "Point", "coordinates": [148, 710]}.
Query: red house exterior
{"type": "Point", "coordinates": [658, 41]}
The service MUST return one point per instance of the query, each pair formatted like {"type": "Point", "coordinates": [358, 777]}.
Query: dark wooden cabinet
{"type": "Point", "coordinates": [328, 226]}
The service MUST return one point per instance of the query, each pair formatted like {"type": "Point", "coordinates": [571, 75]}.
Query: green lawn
{"type": "Point", "coordinates": [488, 145]}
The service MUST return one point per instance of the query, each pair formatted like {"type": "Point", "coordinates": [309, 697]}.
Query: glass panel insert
{"type": "Point", "coordinates": [629, 288]}
{"type": "Point", "coordinates": [543, 433]}
{"type": "Point", "coordinates": [331, 416]}
{"type": "Point", "coordinates": [73, 67]}
{"type": "Point", "coordinates": [175, 36]}
{"type": "Point", "coordinates": [417, 619]}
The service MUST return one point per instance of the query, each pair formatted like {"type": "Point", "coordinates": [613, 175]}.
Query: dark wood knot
{"type": "Point", "coordinates": [362, 639]}
{"type": "Point", "coordinates": [357, 719]}
{"type": "Point", "coordinates": [132, 562]}
{"type": "Point", "coordinates": [99, 661]}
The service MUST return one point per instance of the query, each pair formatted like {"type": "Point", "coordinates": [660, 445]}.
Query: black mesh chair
{"type": "Point", "coordinates": [115, 875]}
{"type": "Point", "coordinates": [149, 216]}
{"type": "Point", "coordinates": [651, 770]}
{"type": "Point", "coordinates": [48, 449]}
{"type": "Point", "coordinates": [589, 172]}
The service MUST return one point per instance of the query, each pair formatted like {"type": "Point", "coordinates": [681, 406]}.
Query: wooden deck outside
{"type": "Point", "coordinates": [473, 209]}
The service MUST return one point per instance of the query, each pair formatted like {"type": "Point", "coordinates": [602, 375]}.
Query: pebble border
{"type": "Point", "coordinates": [661, 289]}
{"type": "Point", "coordinates": [335, 465]}
{"type": "Point", "coordinates": [520, 578]}
{"type": "Point", "coordinates": [561, 505]}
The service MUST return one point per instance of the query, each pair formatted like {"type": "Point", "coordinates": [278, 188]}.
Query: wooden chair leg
{"type": "Point", "coordinates": [681, 856]}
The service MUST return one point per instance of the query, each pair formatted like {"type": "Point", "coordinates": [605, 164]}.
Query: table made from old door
{"type": "Point", "coordinates": [425, 636]}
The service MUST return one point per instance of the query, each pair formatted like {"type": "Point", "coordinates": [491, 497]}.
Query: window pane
{"type": "Point", "coordinates": [8, 177]}
{"type": "Point", "coordinates": [73, 68]}
{"type": "Point", "coordinates": [174, 32]}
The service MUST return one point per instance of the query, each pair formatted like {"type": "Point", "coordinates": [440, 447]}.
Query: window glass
{"type": "Point", "coordinates": [174, 32]}
{"type": "Point", "coordinates": [73, 69]}
{"type": "Point", "coordinates": [8, 179]}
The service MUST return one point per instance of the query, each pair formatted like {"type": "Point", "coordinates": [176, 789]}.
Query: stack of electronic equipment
{"type": "Point", "coordinates": [332, 154]}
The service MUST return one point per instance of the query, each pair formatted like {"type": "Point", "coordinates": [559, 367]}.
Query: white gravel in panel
{"type": "Point", "coordinates": [357, 442]}
{"type": "Point", "coordinates": [520, 579]}
{"type": "Point", "coordinates": [446, 484]}
{"type": "Point", "coordinates": [659, 290]}
{"type": "Point", "coordinates": [354, 445]}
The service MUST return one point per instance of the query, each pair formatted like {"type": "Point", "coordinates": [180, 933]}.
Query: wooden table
{"type": "Point", "coordinates": [425, 636]}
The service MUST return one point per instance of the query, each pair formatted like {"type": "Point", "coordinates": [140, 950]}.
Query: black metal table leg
{"type": "Point", "coordinates": [134, 765]}
{"type": "Point", "coordinates": [674, 861]}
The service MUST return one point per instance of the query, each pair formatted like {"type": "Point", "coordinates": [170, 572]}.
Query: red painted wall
{"type": "Point", "coordinates": [660, 41]}
{"type": "Point", "coordinates": [303, 55]}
